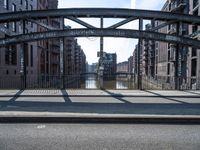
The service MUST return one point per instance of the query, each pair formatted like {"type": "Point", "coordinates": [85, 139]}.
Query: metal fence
{"type": "Point", "coordinates": [92, 82]}
{"type": "Point", "coordinates": [169, 83]}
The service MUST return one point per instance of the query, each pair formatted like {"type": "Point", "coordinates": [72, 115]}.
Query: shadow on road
{"type": "Point", "coordinates": [121, 105]}
{"type": "Point", "coordinates": [66, 96]}
{"type": "Point", "coordinates": [165, 97]}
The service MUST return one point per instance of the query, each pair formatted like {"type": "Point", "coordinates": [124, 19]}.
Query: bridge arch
{"type": "Point", "coordinates": [75, 13]}
{"type": "Point", "coordinates": [98, 33]}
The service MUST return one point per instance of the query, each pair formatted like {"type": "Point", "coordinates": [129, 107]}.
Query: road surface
{"type": "Point", "coordinates": [99, 137]}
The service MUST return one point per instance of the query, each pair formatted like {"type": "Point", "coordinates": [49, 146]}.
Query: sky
{"type": "Point", "coordinates": [122, 46]}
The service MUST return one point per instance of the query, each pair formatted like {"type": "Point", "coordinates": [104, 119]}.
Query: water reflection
{"type": "Point", "coordinates": [91, 82]}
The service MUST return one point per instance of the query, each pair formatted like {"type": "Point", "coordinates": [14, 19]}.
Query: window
{"type": "Point", "coordinates": [168, 69]}
{"type": "Point", "coordinates": [26, 54]}
{"type": "Point", "coordinates": [13, 7]}
{"type": "Point", "coordinates": [7, 62]}
{"type": "Point", "coordinates": [20, 28]}
{"type": "Point", "coordinates": [194, 28]}
{"type": "Point", "coordinates": [194, 67]}
{"type": "Point", "coordinates": [31, 7]}
{"type": "Point", "coordinates": [11, 55]}
{"type": "Point", "coordinates": [26, 4]}
{"type": "Point", "coordinates": [31, 53]}
{"type": "Point", "coordinates": [6, 4]}
{"type": "Point", "coordinates": [168, 55]}
{"type": "Point", "coordinates": [21, 2]}
{"type": "Point", "coordinates": [14, 26]}
{"type": "Point", "coordinates": [26, 30]}
{"type": "Point", "coordinates": [194, 52]}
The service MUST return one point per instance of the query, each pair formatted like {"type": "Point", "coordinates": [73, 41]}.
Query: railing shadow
{"type": "Point", "coordinates": [165, 97]}
{"type": "Point", "coordinates": [121, 105]}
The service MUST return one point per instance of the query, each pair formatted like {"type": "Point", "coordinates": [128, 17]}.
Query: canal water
{"type": "Point", "coordinates": [91, 82]}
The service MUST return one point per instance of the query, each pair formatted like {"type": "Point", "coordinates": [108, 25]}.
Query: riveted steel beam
{"type": "Point", "coordinates": [87, 25]}
{"type": "Point", "coordinates": [193, 35]}
{"type": "Point", "coordinates": [99, 12]}
{"type": "Point", "coordinates": [42, 24]}
{"type": "Point", "coordinates": [126, 33]}
{"type": "Point", "coordinates": [122, 23]}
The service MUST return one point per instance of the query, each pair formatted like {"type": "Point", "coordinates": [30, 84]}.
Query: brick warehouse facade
{"type": "Point", "coordinates": [10, 63]}
{"type": "Point", "coordinates": [42, 57]}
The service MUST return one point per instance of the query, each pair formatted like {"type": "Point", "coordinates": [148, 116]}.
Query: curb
{"type": "Point", "coordinates": [100, 119]}
{"type": "Point", "coordinates": [117, 95]}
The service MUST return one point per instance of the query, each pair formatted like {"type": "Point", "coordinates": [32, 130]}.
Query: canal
{"type": "Point", "coordinates": [91, 82]}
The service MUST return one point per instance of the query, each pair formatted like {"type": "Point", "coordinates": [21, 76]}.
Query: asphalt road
{"type": "Point", "coordinates": [99, 137]}
{"type": "Point", "coordinates": [104, 105]}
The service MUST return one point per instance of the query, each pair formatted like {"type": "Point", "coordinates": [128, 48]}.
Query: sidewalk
{"type": "Point", "coordinates": [96, 105]}
{"type": "Point", "coordinates": [94, 93]}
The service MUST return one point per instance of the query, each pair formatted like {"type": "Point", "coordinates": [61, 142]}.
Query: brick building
{"type": "Point", "coordinates": [10, 63]}
{"type": "Point", "coordinates": [123, 67]}
{"type": "Point", "coordinates": [166, 56]}
{"type": "Point", "coordinates": [110, 64]}
{"type": "Point", "coordinates": [193, 65]}
{"type": "Point", "coordinates": [130, 64]}
{"type": "Point", "coordinates": [41, 57]}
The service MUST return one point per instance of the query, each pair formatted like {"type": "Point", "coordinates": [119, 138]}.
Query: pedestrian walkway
{"type": "Point", "coordinates": [99, 103]}
{"type": "Point", "coordinates": [90, 93]}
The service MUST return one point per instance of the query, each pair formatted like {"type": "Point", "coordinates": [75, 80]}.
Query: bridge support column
{"type": "Point", "coordinates": [139, 77]}
{"type": "Point", "coordinates": [23, 59]}
{"type": "Point", "coordinates": [101, 66]}
{"type": "Point", "coordinates": [62, 62]}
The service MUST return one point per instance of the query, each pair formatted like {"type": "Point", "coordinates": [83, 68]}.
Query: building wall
{"type": "Point", "coordinates": [148, 53]}
{"type": "Point", "coordinates": [193, 64]}
{"type": "Point", "coordinates": [130, 64]}
{"type": "Point", "coordinates": [110, 64]}
{"type": "Point", "coordinates": [135, 60]}
{"type": "Point", "coordinates": [43, 57]}
{"type": "Point", "coordinates": [9, 69]}
{"type": "Point", "coordinates": [162, 61]}
{"type": "Point", "coordinates": [123, 67]}
{"type": "Point", "coordinates": [166, 51]}
{"type": "Point", "coordinates": [75, 58]}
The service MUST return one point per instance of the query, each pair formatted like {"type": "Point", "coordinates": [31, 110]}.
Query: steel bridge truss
{"type": "Point", "coordinates": [89, 30]}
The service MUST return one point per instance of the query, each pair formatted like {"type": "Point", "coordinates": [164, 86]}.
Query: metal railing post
{"type": "Point", "coordinates": [139, 55]}
{"type": "Point", "coordinates": [22, 58]}
{"type": "Point", "coordinates": [101, 66]}
{"type": "Point", "coordinates": [62, 62]}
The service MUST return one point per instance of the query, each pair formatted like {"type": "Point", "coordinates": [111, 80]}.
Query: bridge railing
{"type": "Point", "coordinates": [91, 81]}
{"type": "Point", "coordinates": [168, 83]}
